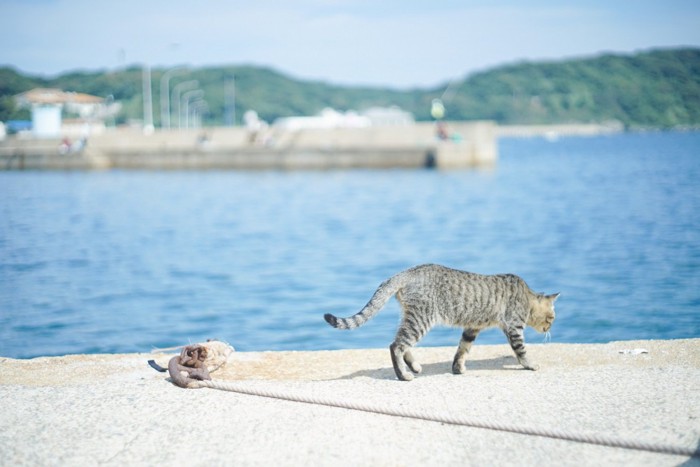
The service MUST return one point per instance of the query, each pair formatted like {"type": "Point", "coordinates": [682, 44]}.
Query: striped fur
{"type": "Point", "coordinates": [431, 294]}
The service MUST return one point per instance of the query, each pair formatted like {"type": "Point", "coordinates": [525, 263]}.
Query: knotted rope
{"type": "Point", "coordinates": [588, 438]}
{"type": "Point", "coordinates": [195, 362]}
{"type": "Point", "coordinates": [188, 368]}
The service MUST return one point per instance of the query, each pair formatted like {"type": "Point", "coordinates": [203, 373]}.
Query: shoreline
{"type": "Point", "coordinates": [114, 409]}
{"type": "Point", "coordinates": [172, 351]}
{"type": "Point", "coordinates": [240, 357]}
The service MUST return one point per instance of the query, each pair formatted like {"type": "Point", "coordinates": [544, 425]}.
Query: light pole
{"type": "Point", "coordinates": [177, 90]}
{"type": "Point", "coordinates": [186, 97]}
{"type": "Point", "coordinates": [165, 95]}
{"type": "Point", "coordinates": [230, 101]}
{"type": "Point", "coordinates": [198, 108]}
{"type": "Point", "coordinates": [147, 101]}
{"type": "Point", "coordinates": [106, 112]}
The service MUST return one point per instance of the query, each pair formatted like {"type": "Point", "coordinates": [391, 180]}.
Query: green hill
{"type": "Point", "coordinates": [652, 89]}
{"type": "Point", "coordinates": [657, 88]}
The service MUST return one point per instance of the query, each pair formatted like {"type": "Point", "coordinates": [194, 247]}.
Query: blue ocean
{"type": "Point", "coordinates": [129, 261]}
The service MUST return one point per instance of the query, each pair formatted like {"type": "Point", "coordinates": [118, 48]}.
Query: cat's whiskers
{"type": "Point", "coordinates": [547, 337]}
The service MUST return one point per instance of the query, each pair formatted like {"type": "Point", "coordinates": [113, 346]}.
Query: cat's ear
{"type": "Point", "coordinates": [553, 297]}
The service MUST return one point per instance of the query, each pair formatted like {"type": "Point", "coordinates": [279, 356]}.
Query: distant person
{"type": "Point", "coordinates": [253, 125]}
{"type": "Point", "coordinates": [65, 147]}
{"type": "Point", "coordinates": [441, 130]}
{"type": "Point", "coordinates": [203, 140]}
{"type": "Point", "coordinates": [80, 145]}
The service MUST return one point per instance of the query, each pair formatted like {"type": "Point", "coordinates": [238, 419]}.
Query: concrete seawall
{"type": "Point", "coordinates": [472, 144]}
{"type": "Point", "coordinates": [115, 410]}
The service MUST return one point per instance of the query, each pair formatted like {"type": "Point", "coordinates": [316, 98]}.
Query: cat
{"type": "Point", "coordinates": [431, 294]}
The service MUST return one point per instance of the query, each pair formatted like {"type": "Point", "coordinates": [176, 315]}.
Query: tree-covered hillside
{"type": "Point", "coordinates": [658, 88]}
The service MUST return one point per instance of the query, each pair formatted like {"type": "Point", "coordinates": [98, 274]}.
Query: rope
{"type": "Point", "coordinates": [588, 438]}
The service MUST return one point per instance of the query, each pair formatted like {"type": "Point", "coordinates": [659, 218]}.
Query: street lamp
{"type": "Point", "coordinates": [186, 97]}
{"type": "Point", "coordinates": [177, 90]}
{"type": "Point", "coordinates": [165, 95]}
{"type": "Point", "coordinates": [147, 101]}
{"type": "Point", "coordinates": [198, 107]}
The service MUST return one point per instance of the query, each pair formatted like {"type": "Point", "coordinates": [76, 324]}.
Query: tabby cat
{"type": "Point", "coordinates": [431, 294]}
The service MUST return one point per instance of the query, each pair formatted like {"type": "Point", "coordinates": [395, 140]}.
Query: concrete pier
{"type": "Point", "coordinates": [472, 144]}
{"type": "Point", "coordinates": [115, 410]}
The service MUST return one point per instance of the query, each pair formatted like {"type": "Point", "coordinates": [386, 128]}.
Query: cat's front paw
{"type": "Point", "coordinates": [458, 369]}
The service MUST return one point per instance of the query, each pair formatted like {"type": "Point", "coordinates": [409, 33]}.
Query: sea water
{"type": "Point", "coordinates": [128, 261]}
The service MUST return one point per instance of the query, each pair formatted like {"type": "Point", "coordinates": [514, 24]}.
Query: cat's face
{"type": "Point", "coordinates": [542, 314]}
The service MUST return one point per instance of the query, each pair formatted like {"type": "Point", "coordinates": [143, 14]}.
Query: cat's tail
{"type": "Point", "coordinates": [382, 295]}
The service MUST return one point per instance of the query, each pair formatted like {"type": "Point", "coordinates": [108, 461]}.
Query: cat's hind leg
{"type": "Point", "coordinates": [400, 356]}
{"type": "Point", "coordinates": [397, 359]}
{"type": "Point", "coordinates": [515, 334]}
{"type": "Point", "coordinates": [411, 361]}
{"type": "Point", "coordinates": [409, 333]}
{"type": "Point", "coordinates": [465, 345]}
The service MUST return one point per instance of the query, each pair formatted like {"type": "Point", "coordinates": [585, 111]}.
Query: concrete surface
{"type": "Point", "coordinates": [409, 146]}
{"type": "Point", "coordinates": [115, 410]}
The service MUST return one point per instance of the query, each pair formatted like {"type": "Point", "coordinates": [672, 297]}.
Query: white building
{"type": "Point", "coordinates": [46, 120]}
{"type": "Point", "coordinates": [47, 106]}
{"type": "Point", "coordinates": [331, 118]}
{"type": "Point", "coordinates": [327, 118]}
{"type": "Point", "coordinates": [389, 116]}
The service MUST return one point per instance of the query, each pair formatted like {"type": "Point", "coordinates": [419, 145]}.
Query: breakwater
{"type": "Point", "coordinates": [468, 144]}
{"type": "Point", "coordinates": [554, 131]}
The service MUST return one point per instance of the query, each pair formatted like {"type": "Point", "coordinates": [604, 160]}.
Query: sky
{"type": "Point", "coordinates": [393, 43]}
